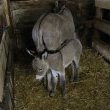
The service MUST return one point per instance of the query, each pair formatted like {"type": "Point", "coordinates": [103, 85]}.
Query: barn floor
{"type": "Point", "coordinates": [92, 92]}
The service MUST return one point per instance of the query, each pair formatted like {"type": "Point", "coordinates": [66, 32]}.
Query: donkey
{"type": "Point", "coordinates": [55, 63]}
{"type": "Point", "coordinates": [52, 29]}
{"type": "Point", "coordinates": [57, 46]}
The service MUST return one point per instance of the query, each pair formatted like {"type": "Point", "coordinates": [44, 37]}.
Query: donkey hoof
{"type": "Point", "coordinates": [65, 96]}
{"type": "Point", "coordinates": [51, 94]}
{"type": "Point", "coordinates": [76, 79]}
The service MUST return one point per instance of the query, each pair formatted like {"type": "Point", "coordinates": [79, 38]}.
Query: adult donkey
{"type": "Point", "coordinates": [52, 29]}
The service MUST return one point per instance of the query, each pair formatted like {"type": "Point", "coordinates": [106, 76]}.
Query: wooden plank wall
{"type": "Point", "coordinates": [6, 87]}
{"type": "Point", "coordinates": [102, 4]}
{"type": "Point", "coordinates": [4, 50]}
{"type": "Point", "coordinates": [101, 25]}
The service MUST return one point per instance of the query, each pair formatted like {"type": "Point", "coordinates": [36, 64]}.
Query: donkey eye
{"type": "Point", "coordinates": [40, 69]}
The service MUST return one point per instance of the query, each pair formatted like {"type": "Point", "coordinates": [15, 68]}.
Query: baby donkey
{"type": "Point", "coordinates": [54, 65]}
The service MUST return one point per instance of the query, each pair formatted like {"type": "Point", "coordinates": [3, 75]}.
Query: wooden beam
{"type": "Point", "coordinates": [6, 5]}
{"type": "Point", "coordinates": [103, 48]}
{"type": "Point", "coordinates": [1, 10]}
{"type": "Point", "coordinates": [102, 25]}
{"type": "Point", "coordinates": [7, 12]}
{"type": "Point", "coordinates": [102, 4]}
{"type": "Point", "coordinates": [4, 49]}
{"type": "Point", "coordinates": [99, 13]}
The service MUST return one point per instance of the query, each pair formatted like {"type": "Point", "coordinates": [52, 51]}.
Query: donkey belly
{"type": "Point", "coordinates": [68, 54]}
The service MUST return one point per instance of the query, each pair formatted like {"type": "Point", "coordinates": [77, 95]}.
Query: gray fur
{"type": "Point", "coordinates": [59, 61]}
{"type": "Point", "coordinates": [54, 29]}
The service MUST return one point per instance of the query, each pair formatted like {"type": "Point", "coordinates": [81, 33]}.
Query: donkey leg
{"type": "Point", "coordinates": [52, 82]}
{"type": "Point", "coordinates": [75, 75]}
{"type": "Point", "coordinates": [49, 77]}
{"type": "Point", "coordinates": [62, 83]}
{"type": "Point", "coordinates": [44, 81]}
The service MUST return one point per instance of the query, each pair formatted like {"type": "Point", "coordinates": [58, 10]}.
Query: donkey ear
{"type": "Point", "coordinates": [30, 52]}
{"type": "Point", "coordinates": [44, 55]}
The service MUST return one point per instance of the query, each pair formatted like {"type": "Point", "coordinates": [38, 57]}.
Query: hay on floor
{"type": "Point", "coordinates": [92, 92]}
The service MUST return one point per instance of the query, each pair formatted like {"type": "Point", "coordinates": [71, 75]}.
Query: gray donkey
{"type": "Point", "coordinates": [52, 29]}
{"type": "Point", "coordinates": [56, 47]}
{"type": "Point", "coordinates": [54, 65]}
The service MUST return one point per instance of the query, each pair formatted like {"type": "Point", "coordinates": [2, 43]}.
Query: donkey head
{"type": "Point", "coordinates": [39, 65]}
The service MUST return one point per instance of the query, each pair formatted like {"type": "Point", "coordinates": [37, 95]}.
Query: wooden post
{"type": "Point", "coordinates": [102, 47]}
{"type": "Point", "coordinates": [6, 59]}
{"type": "Point", "coordinates": [99, 13]}
{"type": "Point", "coordinates": [3, 61]}
{"type": "Point", "coordinates": [7, 11]}
{"type": "Point", "coordinates": [8, 15]}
